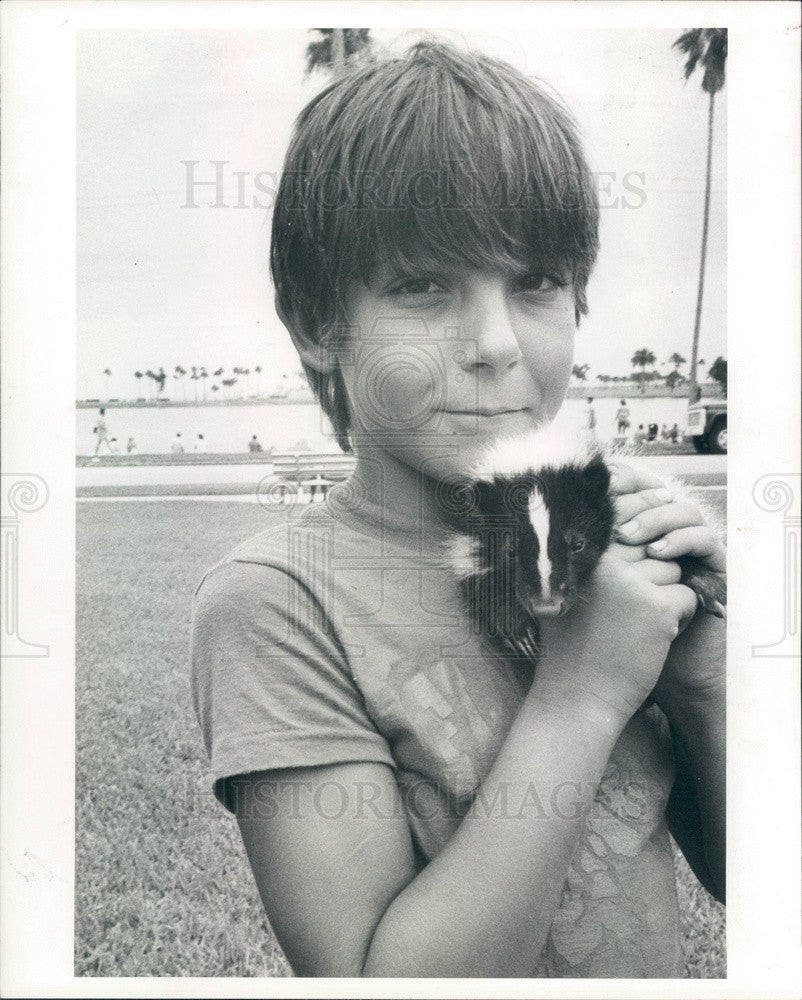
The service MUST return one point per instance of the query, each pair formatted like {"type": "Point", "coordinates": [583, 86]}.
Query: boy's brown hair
{"type": "Point", "coordinates": [432, 159]}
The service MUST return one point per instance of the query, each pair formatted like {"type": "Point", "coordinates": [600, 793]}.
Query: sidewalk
{"type": "Point", "coordinates": [108, 479]}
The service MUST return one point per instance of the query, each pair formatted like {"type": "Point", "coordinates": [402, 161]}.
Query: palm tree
{"type": "Point", "coordinates": [332, 48]}
{"type": "Point", "coordinates": [203, 376]}
{"type": "Point", "coordinates": [642, 359]}
{"type": "Point", "coordinates": [154, 377]}
{"type": "Point", "coordinates": [194, 377]}
{"type": "Point", "coordinates": [258, 370]}
{"type": "Point", "coordinates": [718, 371]}
{"type": "Point", "coordinates": [179, 373]}
{"type": "Point", "coordinates": [707, 46]}
{"type": "Point", "coordinates": [138, 376]}
{"type": "Point", "coordinates": [674, 378]}
{"type": "Point", "coordinates": [677, 361]}
{"type": "Point", "coordinates": [107, 373]}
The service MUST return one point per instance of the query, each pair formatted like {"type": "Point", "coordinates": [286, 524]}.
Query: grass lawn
{"type": "Point", "coordinates": [162, 884]}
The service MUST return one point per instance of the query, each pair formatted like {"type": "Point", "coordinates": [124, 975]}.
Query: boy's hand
{"type": "Point", "coordinates": [606, 655]}
{"type": "Point", "coordinates": [652, 525]}
{"type": "Point", "coordinates": [647, 515]}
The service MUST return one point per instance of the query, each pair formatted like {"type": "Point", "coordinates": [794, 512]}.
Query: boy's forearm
{"type": "Point", "coordinates": [484, 906]}
{"type": "Point", "coordinates": [697, 715]}
{"type": "Point", "coordinates": [699, 737]}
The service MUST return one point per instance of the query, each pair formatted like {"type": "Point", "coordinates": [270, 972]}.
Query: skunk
{"type": "Point", "coordinates": [527, 529]}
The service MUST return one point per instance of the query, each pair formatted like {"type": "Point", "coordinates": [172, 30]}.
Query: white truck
{"type": "Point", "coordinates": [707, 426]}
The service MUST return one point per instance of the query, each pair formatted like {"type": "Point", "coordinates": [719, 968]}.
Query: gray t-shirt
{"type": "Point", "coordinates": [338, 635]}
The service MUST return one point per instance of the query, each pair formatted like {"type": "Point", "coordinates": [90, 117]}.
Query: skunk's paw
{"type": "Point", "coordinates": [709, 587]}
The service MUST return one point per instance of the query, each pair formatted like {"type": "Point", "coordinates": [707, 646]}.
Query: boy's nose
{"type": "Point", "coordinates": [489, 325]}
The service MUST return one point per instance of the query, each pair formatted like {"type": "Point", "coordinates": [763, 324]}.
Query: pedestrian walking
{"type": "Point", "coordinates": [622, 418]}
{"type": "Point", "coordinates": [102, 431]}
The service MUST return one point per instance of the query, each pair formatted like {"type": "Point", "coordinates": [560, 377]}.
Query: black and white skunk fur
{"type": "Point", "coordinates": [529, 526]}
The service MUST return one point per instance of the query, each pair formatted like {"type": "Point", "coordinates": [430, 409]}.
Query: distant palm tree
{"type": "Point", "coordinates": [642, 359]}
{"type": "Point", "coordinates": [708, 47]}
{"type": "Point", "coordinates": [203, 376]}
{"type": "Point", "coordinates": [718, 371]}
{"type": "Point", "coordinates": [107, 373]}
{"type": "Point", "coordinates": [674, 378]}
{"type": "Point", "coordinates": [138, 376]}
{"type": "Point", "coordinates": [154, 377]}
{"type": "Point", "coordinates": [194, 376]}
{"type": "Point", "coordinates": [258, 370]}
{"type": "Point", "coordinates": [677, 361]}
{"type": "Point", "coordinates": [332, 48]}
{"type": "Point", "coordinates": [179, 373]}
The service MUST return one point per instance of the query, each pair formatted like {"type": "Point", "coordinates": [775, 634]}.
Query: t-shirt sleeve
{"type": "Point", "coordinates": [270, 681]}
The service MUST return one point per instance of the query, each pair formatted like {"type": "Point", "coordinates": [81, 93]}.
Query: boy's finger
{"type": "Point", "coordinates": [626, 479]}
{"type": "Point", "coordinates": [627, 553]}
{"type": "Point", "coordinates": [658, 521]}
{"type": "Point", "coordinates": [661, 573]}
{"type": "Point", "coordinates": [700, 541]}
{"type": "Point", "coordinates": [629, 505]}
{"type": "Point", "coordinates": [683, 602]}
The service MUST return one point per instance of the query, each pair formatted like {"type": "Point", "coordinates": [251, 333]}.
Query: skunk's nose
{"type": "Point", "coordinates": [549, 609]}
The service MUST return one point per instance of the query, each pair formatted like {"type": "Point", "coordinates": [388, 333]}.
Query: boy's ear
{"type": "Point", "coordinates": [315, 353]}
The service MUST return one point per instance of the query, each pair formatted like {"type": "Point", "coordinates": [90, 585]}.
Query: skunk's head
{"type": "Point", "coordinates": [537, 533]}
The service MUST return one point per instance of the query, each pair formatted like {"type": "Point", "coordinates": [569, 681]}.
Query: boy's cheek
{"type": "Point", "coordinates": [396, 392]}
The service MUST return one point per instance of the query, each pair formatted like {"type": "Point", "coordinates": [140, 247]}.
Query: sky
{"type": "Point", "coordinates": [166, 276]}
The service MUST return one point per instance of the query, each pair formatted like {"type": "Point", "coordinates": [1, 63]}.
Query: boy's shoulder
{"type": "Point", "coordinates": [298, 540]}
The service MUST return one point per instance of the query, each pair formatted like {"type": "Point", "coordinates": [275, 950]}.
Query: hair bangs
{"type": "Point", "coordinates": [487, 172]}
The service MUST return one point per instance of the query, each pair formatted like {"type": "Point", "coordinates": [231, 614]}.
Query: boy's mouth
{"type": "Point", "coordinates": [493, 411]}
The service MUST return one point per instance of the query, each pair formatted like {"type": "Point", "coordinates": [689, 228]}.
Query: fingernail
{"type": "Point", "coordinates": [658, 546]}
{"type": "Point", "coordinates": [629, 528]}
{"type": "Point", "coordinates": [664, 495]}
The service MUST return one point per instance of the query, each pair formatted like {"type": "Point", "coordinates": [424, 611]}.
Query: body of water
{"type": "Point", "coordinates": [302, 426]}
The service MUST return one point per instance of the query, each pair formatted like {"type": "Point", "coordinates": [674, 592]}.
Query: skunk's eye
{"type": "Point", "coordinates": [577, 544]}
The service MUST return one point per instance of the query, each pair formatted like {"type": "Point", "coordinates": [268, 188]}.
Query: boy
{"type": "Point", "coordinates": [412, 803]}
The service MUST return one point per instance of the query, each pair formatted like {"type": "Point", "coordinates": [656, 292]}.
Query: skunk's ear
{"type": "Point", "coordinates": [597, 477]}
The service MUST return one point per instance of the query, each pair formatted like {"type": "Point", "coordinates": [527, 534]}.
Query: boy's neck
{"type": "Point", "coordinates": [397, 492]}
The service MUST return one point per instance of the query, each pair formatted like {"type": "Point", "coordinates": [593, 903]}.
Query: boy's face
{"type": "Point", "coordinates": [437, 366]}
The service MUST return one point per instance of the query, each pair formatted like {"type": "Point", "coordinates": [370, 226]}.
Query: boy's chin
{"type": "Point", "coordinates": [439, 457]}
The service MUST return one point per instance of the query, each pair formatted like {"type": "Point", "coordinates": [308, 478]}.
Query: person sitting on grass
{"type": "Point", "coordinates": [412, 802]}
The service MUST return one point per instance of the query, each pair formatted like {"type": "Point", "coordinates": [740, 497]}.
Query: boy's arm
{"type": "Point", "coordinates": [344, 895]}
{"type": "Point", "coordinates": [338, 878]}
{"type": "Point", "coordinates": [692, 687]}
{"type": "Point", "coordinates": [692, 693]}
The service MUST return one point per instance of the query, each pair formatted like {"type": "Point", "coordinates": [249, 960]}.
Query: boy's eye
{"type": "Point", "coordinates": [576, 544]}
{"type": "Point", "coordinates": [539, 283]}
{"type": "Point", "coordinates": [417, 286]}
